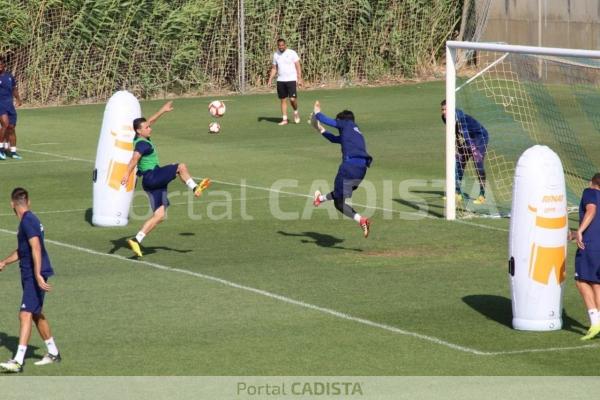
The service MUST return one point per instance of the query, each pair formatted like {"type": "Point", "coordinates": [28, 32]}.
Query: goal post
{"type": "Point", "coordinates": [522, 95]}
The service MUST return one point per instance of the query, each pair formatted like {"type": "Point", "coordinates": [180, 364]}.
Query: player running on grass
{"type": "Point", "coordinates": [35, 270]}
{"type": "Point", "coordinates": [355, 161]}
{"type": "Point", "coordinates": [155, 179]}
{"type": "Point", "coordinates": [471, 142]}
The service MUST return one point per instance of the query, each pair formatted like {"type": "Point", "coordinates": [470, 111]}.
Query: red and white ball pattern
{"type": "Point", "coordinates": [216, 108]}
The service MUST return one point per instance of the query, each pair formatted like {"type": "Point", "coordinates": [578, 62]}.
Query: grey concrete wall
{"type": "Point", "coordinates": [564, 23]}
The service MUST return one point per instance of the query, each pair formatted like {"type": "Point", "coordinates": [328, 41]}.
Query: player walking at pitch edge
{"type": "Point", "coordinates": [355, 161]}
{"type": "Point", "coordinates": [471, 142]}
{"type": "Point", "coordinates": [155, 179]}
{"type": "Point", "coordinates": [35, 270]}
{"type": "Point", "coordinates": [587, 258]}
{"type": "Point", "coordinates": [9, 97]}
{"type": "Point", "coordinates": [286, 64]}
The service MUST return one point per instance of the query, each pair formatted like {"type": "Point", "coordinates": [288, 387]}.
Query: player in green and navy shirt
{"type": "Point", "coordinates": [155, 178]}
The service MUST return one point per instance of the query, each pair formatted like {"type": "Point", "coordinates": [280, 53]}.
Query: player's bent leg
{"type": "Point", "coordinates": [294, 103]}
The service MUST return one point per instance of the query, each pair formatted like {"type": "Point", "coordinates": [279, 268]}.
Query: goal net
{"type": "Point", "coordinates": [522, 96]}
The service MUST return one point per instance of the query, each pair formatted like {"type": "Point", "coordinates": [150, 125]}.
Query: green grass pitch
{"type": "Point", "coordinates": [253, 294]}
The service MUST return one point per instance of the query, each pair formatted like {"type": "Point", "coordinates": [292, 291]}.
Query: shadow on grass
{"type": "Point", "coordinates": [423, 207]}
{"type": "Point", "coordinates": [429, 205]}
{"type": "Point", "coordinates": [89, 213]}
{"type": "Point", "coordinates": [320, 239]}
{"type": "Point", "coordinates": [499, 309]}
{"type": "Point", "coordinates": [122, 243]}
{"type": "Point", "coordinates": [269, 119]}
{"type": "Point", "coordinates": [12, 342]}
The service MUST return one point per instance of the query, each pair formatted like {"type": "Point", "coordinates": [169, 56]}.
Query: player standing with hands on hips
{"type": "Point", "coordinates": [35, 271]}
{"type": "Point", "coordinates": [355, 161]}
{"type": "Point", "coordinates": [286, 65]}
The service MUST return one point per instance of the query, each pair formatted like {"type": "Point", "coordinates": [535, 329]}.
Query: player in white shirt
{"type": "Point", "coordinates": [286, 64]}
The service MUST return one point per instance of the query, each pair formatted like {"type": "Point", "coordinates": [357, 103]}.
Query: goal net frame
{"type": "Point", "coordinates": [452, 48]}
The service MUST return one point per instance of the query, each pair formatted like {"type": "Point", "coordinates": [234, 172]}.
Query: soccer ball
{"type": "Point", "coordinates": [216, 108]}
{"type": "Point", "coordinates": [214, 127]}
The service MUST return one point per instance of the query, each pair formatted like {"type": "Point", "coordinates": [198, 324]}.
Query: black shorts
{"type": "Point", "coordinates": [286, 89]}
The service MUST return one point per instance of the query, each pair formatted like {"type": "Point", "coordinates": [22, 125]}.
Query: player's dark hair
{"type": "Point", "coordinates": [281, 40]}
{"type": "Point", "coordinates": [137, 124]}
{"type": "Point", "coordinates": [19, 196]}
{"type": "Point", "coordinates": [346, 114]}
{"type": "Point", "coordinates": [2, 60]}
{"type": "Point", "coordinates": [596, 179]}
{"type": "Point", "coordinates": [443, 103]}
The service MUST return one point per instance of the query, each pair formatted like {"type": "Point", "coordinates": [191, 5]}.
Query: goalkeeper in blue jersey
{"type": "Point", "coordinates": [355, 161]}
{"type": "Point", "coordinates": [471, 142]}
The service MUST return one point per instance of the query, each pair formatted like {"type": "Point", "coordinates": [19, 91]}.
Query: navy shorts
{"type": "Point", "coordinates": [286, 89]}
{"type": "Point", "coordinates": [587, 266]}
{"type": "Point", "coordinates": [155, 182]}
{"type": "Point", "coordinates": [348, 178]}
{"type": "Point", "coordinates": [33, 296]}
{"type": "Point", "coordinates": [9, 109]}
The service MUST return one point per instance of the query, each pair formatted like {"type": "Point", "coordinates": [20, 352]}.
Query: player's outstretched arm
{"type": "Point", "coordinates": [12, 257]}
{"type": "Point", "coordinates": [167, 107]}
{"type": "Point", "coordinates": [322, 117]}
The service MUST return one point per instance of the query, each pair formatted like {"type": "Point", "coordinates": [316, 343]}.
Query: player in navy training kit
{"type": "Point", "coordinates": [35, 271]}
{"type": "Point", "coordinates": [587, 258]}
{"type": "Point", "coordinates": [155, 178]}
{"type": "Point", "coordinates": [471, 142]}
{"type": "Point", "coordinates": [355, 161]}
{"type": "Point", "coordinates": [9, 96]}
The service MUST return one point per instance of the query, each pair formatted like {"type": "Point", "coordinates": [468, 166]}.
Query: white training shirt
{"type": "Point", "coordinates": [286, 70]}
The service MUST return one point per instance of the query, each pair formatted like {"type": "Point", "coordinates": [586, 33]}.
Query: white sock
{"type": "Point", "coordinates": [284, 117]}
{"type": "Point", "coordinates": [357, 217]}
{"type": "Point", "coordinates": [140, 236]}
{"type": "Point", "coordinates": [594, 316]}
{"type": "Point", "coordinates": [6, 145]}
{"type": "Point", "coordinates": [13, 149]}
{"type": "Point", "coordinates": [190, 183]}
{"type": "Point", "coordinates": [322, 198]}
{"type": "Point", "coordinates": [20, 354]}
{"type": "Point", "coordinates": [52, 349]}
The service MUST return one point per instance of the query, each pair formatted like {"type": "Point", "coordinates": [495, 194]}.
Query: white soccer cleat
{"type": "Point", "coordinates": [11, 366]}
{"type": "Point", "coordinates": [49, 359]}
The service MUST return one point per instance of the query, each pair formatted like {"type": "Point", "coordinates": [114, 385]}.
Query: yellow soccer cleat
{"type": "Point", "coordinates": [479, 201]}
{"type": "Point", "coordinates": [135, 247]}
{"type": "Point", "coordinates": [204, 183]}
{"type": "Point", "coordinates": [592, 332]}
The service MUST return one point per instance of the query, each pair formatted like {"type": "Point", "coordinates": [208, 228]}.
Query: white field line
{"type": "Point", "coordinates": [21, 162]}
{"type": "Point", "coordinates": [182, 203]}
{"type": "Point", "coordinates": [493, 228]}
{"type": "Point", "coordinates": [309, 306]}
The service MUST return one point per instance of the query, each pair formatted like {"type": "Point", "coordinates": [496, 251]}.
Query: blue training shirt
{"type": "Point", "coordinates": [29, 227]}
{"type": "Point", "coordinates": [470, 130]}
{"type": "Point", "coordinates": [591, 236]}
{"type": "Point", "coordinates": [350, 137]}
{"type": "Point", "coordinates": [7, 85]}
